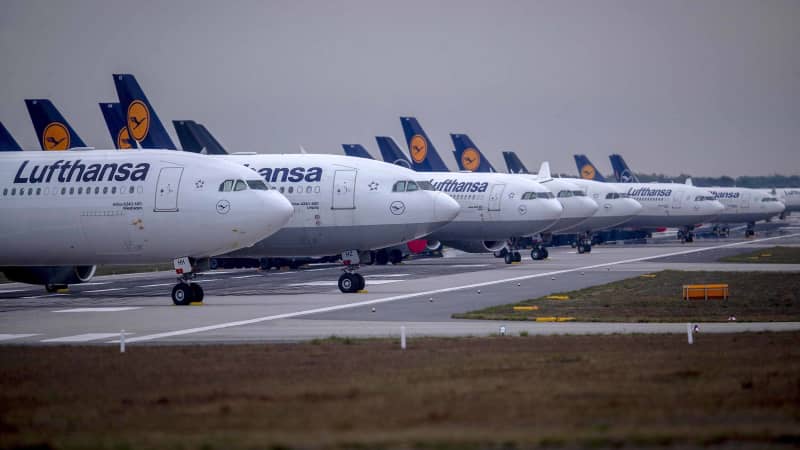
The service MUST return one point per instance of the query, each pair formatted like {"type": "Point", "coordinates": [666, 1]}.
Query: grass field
{"type": "Point", "coordinates": [725, 391]}
{"type": "Point", "coordinates": [754, 296]}
{"type": "Point", "coordinates": [774, 255]}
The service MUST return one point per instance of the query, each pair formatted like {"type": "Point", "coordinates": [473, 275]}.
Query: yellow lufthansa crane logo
{"type": "Point", "coordinates": [138, 120]}
{"type": "Point", "coordinates": [470, 159]}
{"type": "Point", "coordinates": [55, 137]}
{"type": "Point", "coordinates": [124, 139]}
{"type": "Point", "coordinates": [587, 172]}
{"type": "Point", "coordinates": [418, 148]}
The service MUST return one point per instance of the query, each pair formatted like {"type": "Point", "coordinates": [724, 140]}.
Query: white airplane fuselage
{"type": "Point", "coordinates": [127, 207]}
{"type": "Point", "coordinates": [670, 205]}
{"type": "Point", "coordinates": [344, 203]}
{"type": "Point", "coordinates": [615, 208]}
{"type": "Point", "coordinates": [745, 205]}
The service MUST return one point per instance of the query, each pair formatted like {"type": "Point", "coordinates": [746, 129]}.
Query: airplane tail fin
{"type": "Point", "coordinates": [7, 142]}
{"type": "Point", "coordinates": [186, 137]}
{"type": "Point", "coordinates": [689, 181]}
{"type": "Point", "coordinates": [424, 157]}
{"type": "Point", "coordinates": [391, 153]}
{"type": "Point", "coordinates": [513, 163]}
{"type": "Point", "coordinates": [112, 113]}
{"type": "Point", "coordinates": [356, 150]}
{"type": "Point", "coordinates": [622, 172]}
{"type": "Point", "coordinates": [143, 123]}
{"type": "Point", "coordinates": [52, 129]}
{"type": "Point", "coordinates": [544, 171]}
{"type": "Point", "coordinates": [468, 156]}
{"type": "Point", "coordinates": [213, 147]}
{"type": "Point", "coordinates": [587, 170]}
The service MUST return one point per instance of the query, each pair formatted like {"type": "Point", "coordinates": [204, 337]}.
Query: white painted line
{"type": "Point", "coordinates": [307, 312]}
{"type": "Point", "coordinates": [155, 285]}
{"type": "Point", "coordinates": [83, 337]}
{"type": "Point", "coordinates": [387, 275]}
{"type": "Point", "coordinates": [8, 337]}
{"type": "Point", "coordinates": [47, 295]}
{"type": "Point", "coordinates": [100, 309]}
{"type": "Point", "coordinates": [336, 283]}
{"type": "Point", "coordinates": [206, 281]}
{"type": "Point", "coordinates": [95, 283]}
{"type": "Point", "coordinates": [467, 265]}
{"type": "Point", "coordinates": [8, 291]}
{"type": "Point", "coordinates": [247, 276]}
{"type": "Point", "coordinates": [102, 290]}
{"type": "Point", "coordinates": [214, 272]}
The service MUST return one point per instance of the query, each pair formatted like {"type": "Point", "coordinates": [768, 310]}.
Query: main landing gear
{"type": "Point", "coordinates": [686, 234]}
{"type": "Point", "coordinates": [751, 229]}
{"type": "Point", "coordinates": [351, 281]}
{"type": "Point", "coordinates": [186, 291]}
{"type": "Point", "coordinates": [539, 252]}
{"type": "Point", "coordinates": [584, 244]}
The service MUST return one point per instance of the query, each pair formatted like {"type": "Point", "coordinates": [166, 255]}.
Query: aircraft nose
{"type": "Point", "coordinates": [445, 208]}
{"type": "Point", "coordinates": [632, 207]}
{"type": "Point", "coordinates": [552, 209]}
{"type": "Point", "coordinates": [587, 206]}
{"type": "Point", "coordinates": [279, 210]}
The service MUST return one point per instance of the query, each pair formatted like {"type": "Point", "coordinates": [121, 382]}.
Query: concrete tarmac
{"type": "Point", "coordinates": [256, 306]}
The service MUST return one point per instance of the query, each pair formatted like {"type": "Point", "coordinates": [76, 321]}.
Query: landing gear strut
{"type": "Point", "coordinates": [351, 281]}
{"type": "Point", "coordinates": [686, 234]}
{"type": "Point", "coordinates": [751, 229]}
{"type": "Point", "coordinates": [186, 291]}
{"type": "Point", "coordinates": [584, 244]}
{"type": "Point", "coordinates": [510, 252]}
{"type": "Point", "coordinates": [539, 252]}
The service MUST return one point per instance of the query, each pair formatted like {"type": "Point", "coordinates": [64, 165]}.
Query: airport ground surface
{"type": "Point", "coordinates": [251, 305]}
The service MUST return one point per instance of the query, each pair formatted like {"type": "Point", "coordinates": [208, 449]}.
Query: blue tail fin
{"type": "Point", "coordinates": [391, 153]}
{"type": "Point", "coordinates": [514, 164]}
{"type": "Point", "coordinates": [188, 141]}
{"type": "Point", "coordinates": [468, 155]}
{"type": "Point", "coordinates": [112, 113]}
{"type": "Point", "coordinates": [622, 172]}
{"type": "Point", "coordinates": [52, 129]}
{"type": "Point", "coordinates": [356, 150]}
{"type": "Point", "coordinates": [7, 142]}
{"type": "Point", "coordinates": [587, 170]}
{"type": "Point", "coordinates": [424, 157]}
{"type": "Point", "coordinates": [143, 123]}
{"type": "Point", "coordinates": [206, 139]}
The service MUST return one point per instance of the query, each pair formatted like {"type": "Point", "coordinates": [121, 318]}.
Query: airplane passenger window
{"type": "Point", "coordinates": [63, 190]}
{"type": "Point", "coordinates": [400, 186]}
{"type": "Point", "coordinates": [130, 191]}
{"type": "Point", "coordinates": [113, 189]}
{"type": "Point", "coordinates": [226, 186]}
{"type": "Point", "coordinates": [71, 190]}
{"type": "Point", "coordinates": [308, 189]}
{"type": "Point", "coordinates": [240, 185]}
{"type": "Point", "coordinates": [281, 189]}
{"type": "Point", "coordinates": [425, 185]}
{"type": "Point", "coordinates": [13, 191]}
{"type": "Point", "coordinates": [5, 191]}
{"type": "Point", "coordinates": [411, 186]}
{"type": "Point", "coordinates": [291, 189]}
{"type": "Point", "coordinates": [257, 185]}
{"type": "Point", "coordinates": [105, 189]}
{"type": "Point", "coordinates": [96, 190]}
{"type": "Point", "coordinates": [80, 190]}
{"type": "Point", "coordinates": [38, 191]}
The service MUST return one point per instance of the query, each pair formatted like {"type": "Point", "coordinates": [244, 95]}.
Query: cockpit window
{"type": "Point", "coordinates": [425, 185]}
{"type": "Point", "coordinates": [226, 186]}
{"type": "Point", "coordinates": [704, 198]}
{"type": "Point", "coordinates": [545, 195]}
{"type": "Point", "coordinates": [257, 185]}
{"type": "Point", "coordinates": [411, 186]}
{"type": "Point", "coordinates": [240, 186]}
{"type": "Point", "coordinates": [563, 194]}
{"type": "Point", "coordinates": [769, 199]}
{"type": "Point", "coordinates": [400, 186]}
{"type": "Point", "coordinates": [579, 193]}
{"type": "Point", "coordinates": [612, 195]}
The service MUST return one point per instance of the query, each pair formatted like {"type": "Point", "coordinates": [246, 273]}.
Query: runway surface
{"type": "Point", "coordinates": [421, 295]}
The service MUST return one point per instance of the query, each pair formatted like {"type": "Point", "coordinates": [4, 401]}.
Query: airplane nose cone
{"type": "Point", "coordinates": [587, 206]}
{"type": "Point", "coordinates": [552, 209]}
{"type": "Point", "coordinates": [445, 208]}
{"type": "Point", "coordinates": [779, 207]}
{"type": "Point", "coordinates": [631, 207]}
{"type": "Point", "coordinates": [279, 210]}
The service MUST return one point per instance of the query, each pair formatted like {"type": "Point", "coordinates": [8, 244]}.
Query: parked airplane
{"type": "Point", "coordinates": [78, 208]}
{"type": "Point", "coordinates": [663, 204]}
{"type": "Point", "coordinates": [115, 121]}
{"type": "Point", "coordinates": [52, 129]}
{"type": "Point", "coordinates": [7, 142]}
{"type": "Point", "coordinates": [342, 204]}
{"type": "Point", "coordinates": [790, 197]}
{"type": "Point", "coordinates": [577, 206]}
{"type": "Point", "coordinates": [615, 208]}
{"type": "Point", "coordinates": [496, 208]}
{"type": "Point", "coordinates": [742, 205]}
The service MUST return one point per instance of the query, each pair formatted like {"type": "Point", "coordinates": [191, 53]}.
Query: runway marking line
{"type": "Point", "coordinates": [83, 337]}
{"type": "Point", "coordinates": [102, 290]}
{"type": "Point", "coordinates": [247, 276]}
{"type": "Point", "coordinates": [238, 323]}
{"type": "Point", "coordinates": [155, 285]}
{"type": "Point", "coordinates": [98, 309]}
{"type": "Point", "coordinates": [8, 337]}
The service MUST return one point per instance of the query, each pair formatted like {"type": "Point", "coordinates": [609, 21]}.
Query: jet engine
{"type": "Point", "coordinates": [476, 246]}
{"type": "Point", "coordinates": [52, 277]}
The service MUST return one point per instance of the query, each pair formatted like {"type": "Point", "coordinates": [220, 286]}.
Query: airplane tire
{"type": "Point", "coordinates": [381, 257]}
{"type": "Point", "coordinates": [508, 258]}
{"type": "Point", "coordinates": [536, 254]}
{"type": "Point", "coordinates": [587, 248]}
{"type": "Point", "coordinates": [581, 249]}
{"type": "Point", "coordinates": [348, 283]}
{"type": "Point", "coordinates": [362, 283]}
{"type": "Point", "coordinates": [517, 257]}
{"type": "Point", "coordinates": [182, 294]}
{"type": "Point", "coordinates": [197, 293]}
{"type": "Point", "coordinates": [545, 253]}
{"type": "Point", "coordinates": [395, 256]}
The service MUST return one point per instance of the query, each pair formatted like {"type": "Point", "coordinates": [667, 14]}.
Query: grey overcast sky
{"type": "Point", "coordinates": [703, 87]}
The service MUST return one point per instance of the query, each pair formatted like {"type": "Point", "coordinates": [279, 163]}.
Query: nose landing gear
{"type": "Point", "coordinates": [351, 281]}
{"type": "Point", "coordinates": [186, 291]}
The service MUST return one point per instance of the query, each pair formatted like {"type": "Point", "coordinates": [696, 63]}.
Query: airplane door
{"type": "Point", "coordinates": [495, 195]}
{"type": "Point", "coordinates": [676, 199]}
{"type": "Point", "coordinates": [169, 181]}
{"type": "Point", "coordinates": [344, 189]}
{"type": "Point", "coordinates": [745, 200]}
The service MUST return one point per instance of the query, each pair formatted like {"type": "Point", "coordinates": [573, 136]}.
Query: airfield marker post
{"type": "Point", "coordinates": [402, 337]}
{"type": "Point", "coordinates": [122, 341]}
{"type": "Point", "coordinates": [689, 331]}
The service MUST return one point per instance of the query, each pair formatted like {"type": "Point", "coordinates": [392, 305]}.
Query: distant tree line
{"type": "Point", "coordinates": [764, 181]}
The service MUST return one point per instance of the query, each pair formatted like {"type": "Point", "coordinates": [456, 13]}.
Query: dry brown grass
{"type": "Point", "coordinates": [773, 255]}
{"type": "Point", "coordinates": [754, 297]}
{"type": "Point", "coordinates": [737, 391]}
